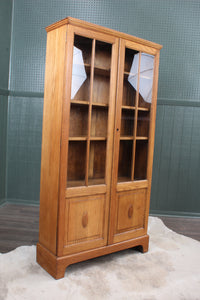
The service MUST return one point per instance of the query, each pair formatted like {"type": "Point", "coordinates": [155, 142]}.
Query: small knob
{"type": "Point", "coordinates": [85, 219]}
{"type": "Point", "coordinates": [130, 211]}
{"type": "Point", "coordinates": [117, 129]}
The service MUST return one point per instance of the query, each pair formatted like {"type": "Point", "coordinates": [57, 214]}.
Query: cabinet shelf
{"type": "Point", "coordinates": [83, 102]}
{"type": "Point", "coordinates": [143, 109]}
{"type": "Point", "coordinates": [142, 138]}
{"type": "Point", "coordinates": [96, 138]}
{"type": "Point", "coordinates": [126, 138]}
{"type": "Point", "coordinates": [97, 69]}
{"type": "Point", "coordinates": [77, 139]}
{"type": "Point", "coordinates": [128, 107]}
{"type": "Point", "coordinates": [79, 102]}
{"type": "Point", "coordinates": [84, 138]}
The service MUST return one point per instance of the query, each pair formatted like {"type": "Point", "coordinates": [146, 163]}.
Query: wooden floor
{"type": "Point", "coordinates": [19, 226]}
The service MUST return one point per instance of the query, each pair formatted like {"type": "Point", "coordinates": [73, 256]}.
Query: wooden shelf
{"type": "Point", "coordinates": [96, 138]}
{"type": "Point", "coordinates": [141, 138]}
{"type": "Point", "coordinates": [143, 109]}
{"type": "Point", "coordinates": [79, 102]}
{"type": "Point", "coordinates": [128, 107]}
{"type": "Point", "coordinates": [99, 104]}
{"type": "Point", "coordinates": [97, 69]}
{"type": "Point", "coordinates": [133, 108]}
{"type": "Point", "coordinates": [77, 139]}
{"type": "Point", "coordinates": [127, 74]}
{"type": "Point", "coordinates": [126, 138]}
{"type": "Point", "coordinates": [84, 138]}
{"type": "Point", "coordinates": [82, 102]}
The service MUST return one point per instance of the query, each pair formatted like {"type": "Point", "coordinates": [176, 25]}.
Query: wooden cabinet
{"type": "Point", "coordinates": [97, 143]}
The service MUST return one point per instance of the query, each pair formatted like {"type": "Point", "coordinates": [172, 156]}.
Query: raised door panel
{"type": "Point", "coordinates": [87, 138]}
{"type": "Point", "coordinates": [84, 223]}
{"type": "Point", "coordinates": [130, 216]}
{"type": "Point", "coordinates": [133, 141]}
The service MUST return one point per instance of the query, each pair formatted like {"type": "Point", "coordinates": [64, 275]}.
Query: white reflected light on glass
{"type": "Point", "coordinates": [146, 75]}
{"type": "Point", "coordinates": [78, 71]}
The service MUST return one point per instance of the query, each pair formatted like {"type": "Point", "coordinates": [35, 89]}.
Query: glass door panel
{"type": "Point", "coordinates": [141, 160]}
{"type": "Point", "coordinates": [89, 110]}
{"type": "Point", "coordinates": [78, 121]}
{"type": "Point", "coordinates": [125, 160]}
{"type": "Point", "coordinates": [99, 122]}
{"type": "Point", "coordinates": [99, 113]}
{"type": "Point", "coordinates": [97, 162]}
{"type": "Point", "coordinates": [76, 163]}
{"type": "Point", "coordinates": [143, 123]}
{"type": "Point", "coordinates": [143, 115]}
{"type": "Point", "coordinates": [146, 80]}
{"type": "Point", "coordinates": [79, 111]}
{"type": "Point", "coordinates": [102, 65]}
{"type": "Point", "coordinates": [82, 51]}
{"type": "Point", "coordinates": [135, 115]}
{"type": "Point", "coordinates": [127, 129]}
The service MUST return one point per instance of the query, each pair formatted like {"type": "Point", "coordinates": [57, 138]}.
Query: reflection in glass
{"type": "Point", "coordinates": [78, 72]}
{"type": "Point", "coordinates": [146, 75]}
{"type": "Point", "coordinates": [80, 86]}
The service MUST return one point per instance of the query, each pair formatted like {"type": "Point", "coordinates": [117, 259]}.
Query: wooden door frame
{"type": "Point", "coordinates": [63, 192]}
{"type": "Point", "coordinates": [134, 184]}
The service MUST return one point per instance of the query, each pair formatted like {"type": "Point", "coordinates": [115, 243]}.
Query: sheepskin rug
{"type": "Point", "coordinates": [170, 270]}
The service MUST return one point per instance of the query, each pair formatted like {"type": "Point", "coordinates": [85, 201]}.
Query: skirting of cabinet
{"type": "Point", "coordinates": [56, 266]}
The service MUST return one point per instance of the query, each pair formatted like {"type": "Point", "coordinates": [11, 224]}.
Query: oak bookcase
{"type": "Point", "coordinates": [97, 143]}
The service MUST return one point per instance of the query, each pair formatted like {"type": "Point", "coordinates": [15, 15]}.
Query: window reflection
{"type": "Point", "coordinates": [146, 75]}
{"type": "Point", "coordinates": [78, 71]}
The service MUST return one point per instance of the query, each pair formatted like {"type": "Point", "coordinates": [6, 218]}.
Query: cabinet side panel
{"type": "Point", "coordinates": [52, 116]}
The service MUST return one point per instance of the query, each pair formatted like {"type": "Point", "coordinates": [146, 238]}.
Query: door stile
{"type": "Point", "coordinates": [116, 139]}
{"type": "Point", "coordinates": [152, 134]}
{"type": "Point", "coordinates": [111, 115]}
{"type": "Point", "coordinates": [90, 111]}
{"type": "Point", "coordinates": [135, 120]}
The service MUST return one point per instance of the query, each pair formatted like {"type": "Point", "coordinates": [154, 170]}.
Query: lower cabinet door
{"type": "Point", "coordinates": [130, 215]}
{"type": "Point", "coordinates": [85, 223]}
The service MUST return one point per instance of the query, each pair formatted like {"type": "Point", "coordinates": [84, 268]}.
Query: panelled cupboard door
{"type": "Point", "coordinates": [87, 138]}
{"type": "Point", "coordinates": [132, 162]}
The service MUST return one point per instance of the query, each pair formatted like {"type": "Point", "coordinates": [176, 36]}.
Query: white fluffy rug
{"type": "Point", "coordinates": [170, 270]}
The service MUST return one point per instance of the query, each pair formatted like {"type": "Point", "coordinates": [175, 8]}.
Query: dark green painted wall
{"type": "Point", "coordinates": [176, 25]}
{"type": "Point", "coordinates": [5, 36]}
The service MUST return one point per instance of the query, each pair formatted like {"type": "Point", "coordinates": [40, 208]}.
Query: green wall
{"type": "Point", "coordinates": [5, 35]}
{"type": "Point", "coordinates": [175, 25]}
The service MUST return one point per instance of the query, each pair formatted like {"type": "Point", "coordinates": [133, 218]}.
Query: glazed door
{"type": "Point", "coordinates": [88, 123]}
{"type": "Point", "coordinates": [133, 144]}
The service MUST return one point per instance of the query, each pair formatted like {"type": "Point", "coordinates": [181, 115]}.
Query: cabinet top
{"type": "Point", "coordinates": [94, 27]}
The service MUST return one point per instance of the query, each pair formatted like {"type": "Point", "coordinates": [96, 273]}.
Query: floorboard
{"type": "Point", "coordinates": [19, 226]}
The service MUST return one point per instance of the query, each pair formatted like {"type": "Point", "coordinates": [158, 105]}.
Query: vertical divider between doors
{"type": "Point", "coordinates": [135, 120]}
{"type": "Point", "coordinates": [90, 112]}
{"type": "Point", "coordinates": [116, 140]}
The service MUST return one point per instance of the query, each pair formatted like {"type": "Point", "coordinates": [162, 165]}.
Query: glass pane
{"type": "Point", "coordinates": [141, 160]}
{"type": "Point", "coordinates": [80, 89]}
{"type": "Point", "coordinates": [76, 163]}
{"type": "Point", "coordinates": [99, 122]}
{"type": "Point", "coordinates": [102, 65]}
{"type": "Point", "coordinates": [146, 80]}
{"type": "Point", "coordinates": [127, 123]}
{"type": "Point", "coordinates": [130, 77]}
{"type": "Point", "coordinates": [97, 162]}
{"type": "Point", "coordinates": [143, 123]}
{"type": "Point", "coordinates": [78, 120]}
{"type": "Point", "coordinates": [125, 160]}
